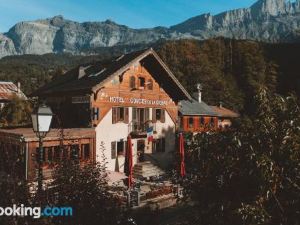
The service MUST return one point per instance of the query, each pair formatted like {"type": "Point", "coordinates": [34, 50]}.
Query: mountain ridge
{"type": "Point", "coordinates": [266, 20]}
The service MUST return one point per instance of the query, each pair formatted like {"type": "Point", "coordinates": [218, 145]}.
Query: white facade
{"type": "Point", "coordinates": [107, 132]}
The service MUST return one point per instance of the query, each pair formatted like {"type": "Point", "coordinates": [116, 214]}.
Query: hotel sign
{"type": "Point", "coordinates": [138, 101]}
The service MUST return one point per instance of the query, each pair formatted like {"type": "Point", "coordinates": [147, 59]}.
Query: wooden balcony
{"type": "Point", "coordinates": [139, 130]}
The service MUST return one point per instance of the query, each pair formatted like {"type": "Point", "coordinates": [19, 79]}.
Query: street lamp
{"type": "Point", "coordinates": [41, 121]}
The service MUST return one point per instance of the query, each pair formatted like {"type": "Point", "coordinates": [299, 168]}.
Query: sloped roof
{"type": "Point", "coordinates": [224, 112]}
{"type": "Point", "coordinates": [95, 75]}
{"type": "Point", "coordinates": [8, 89]}
{"type": "Point", "coordinates": [27, 134]}
{"type": "Point", "coordinates": [195, 108]}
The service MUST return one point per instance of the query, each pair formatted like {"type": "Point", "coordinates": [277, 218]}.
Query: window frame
{"type": "Point", "coordinates": [202, 121]}
{"type": "Point", "coordinates": [191, 122]}
{"type": "Point", "coordinates": [116, 115]}
{"type": "Point", "coordinates": [72, 149]}
{"type": "Point", "coordinates": [142, 82]}
{"type": "Point", "coordinates": [121, 148]}
{"type": "Point", "coordinates": [150, 84]}
{"type": "Point", "coordinates": [162, 118]}
{"type": "Point", "coordinates": [50, 154]}
{"type": "Point", "coordinates": [212, 122]}
{"type": "Point", "coordinates": [85, 152]}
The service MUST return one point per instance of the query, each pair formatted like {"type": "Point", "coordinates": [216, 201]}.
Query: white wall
{"type": "Point", "coordinates": [166, 130]}
{"type": "Point", "coordinates": [106, 132]}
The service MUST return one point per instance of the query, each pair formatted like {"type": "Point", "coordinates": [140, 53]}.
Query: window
{"type": "Point", "coordinates": [50, 154]}
{"type": "Point", "coordinates": [159, 145]}
{"type": "Point", "coordinates": [158, 115]}
{"type": "Point", "coordinates": [95, 114]}
{"type": "Point", "coordinates": [142, 82]}
{"type": "Point", "coordinates": [74, 150]}
{"type": "Point", "coordinates": [150, 84]}
{"type": "Point", "coordinates": [212, 122]}
{"type": "Point", "coordinates": [57, 153]}
{"type": "Point", "coordinates": [121, 147]}
{"type": "Point", "coordinates": [140, 117]}
{"type": "Point", "coordinates": [134, 115]}
{"type": "Point", "coordinates": [132, 82]}
{"type": "Point", "coordinates": [202, 121]}
{"type": "Point", "coordinates": [113, 150]}
{"type": "Point", "coordinates": [85, 151]}
{"type": "Point", "coordinates": [120, 114]}
{"type": "Point", "coordinates": [65, 152]}
{"type": "Point", "coordinates": [191, 122]}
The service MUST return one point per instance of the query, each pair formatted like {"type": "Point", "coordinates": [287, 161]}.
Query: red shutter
{"type": "Point", "coordinates": [186, 123]}
{"type": "Point", "coordinates": [126, 115]}
{"type": "Point", "coordinates": [163, 116]}
{"type": "Point", "coordinates": [114, 115]}
{"type": "Point", "coordinates": [154, 115]}
{"type": "Point", "coordinates": [147, 111]}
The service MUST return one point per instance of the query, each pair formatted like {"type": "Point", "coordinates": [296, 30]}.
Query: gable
{"type": "Point", "coordinates": [120, 91]}
{"type": "Point", "coordinates": [96, 76]}
{"type": "Point", "coordinates": [137, 82]}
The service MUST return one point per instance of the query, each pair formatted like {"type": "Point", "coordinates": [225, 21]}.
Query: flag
{"type": "Point", "coordinates": [150, 133]}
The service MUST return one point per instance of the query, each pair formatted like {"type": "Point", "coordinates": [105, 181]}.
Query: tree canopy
{"type": "Point", "coordinates": [16, 112]}
{"type": "Point", "coordinates": [249, 175]}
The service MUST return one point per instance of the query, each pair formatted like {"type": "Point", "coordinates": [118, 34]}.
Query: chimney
{"type": "Point", "coordinates": [18, 87]}
{"type": "Point", "coordinates": [199, 93]}
{"type": "Point", "coordinates": [220, 104]}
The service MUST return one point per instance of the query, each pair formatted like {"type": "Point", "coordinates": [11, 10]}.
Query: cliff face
{"type": "Point", "coordinates": [6, 46]}
{"type": "Point", "coordinates": [266, 20]}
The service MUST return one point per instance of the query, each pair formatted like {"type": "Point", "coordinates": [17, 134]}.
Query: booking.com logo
{"type": "Point", "coordinates": [36, 212]}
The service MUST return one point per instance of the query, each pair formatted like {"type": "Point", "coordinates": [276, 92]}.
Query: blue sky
{"type": "Point", "coordinates": [133, 13]}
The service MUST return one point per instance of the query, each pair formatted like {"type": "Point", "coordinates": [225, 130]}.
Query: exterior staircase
{"type": "Point", "coordinates": [146, 169]}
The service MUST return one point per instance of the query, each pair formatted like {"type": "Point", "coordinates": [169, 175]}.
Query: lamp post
{"type": "Point", "coordinates": [41, 120]}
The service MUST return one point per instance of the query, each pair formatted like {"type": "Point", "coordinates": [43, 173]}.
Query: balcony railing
{"type": "Point", "coordinates": [136, 127]}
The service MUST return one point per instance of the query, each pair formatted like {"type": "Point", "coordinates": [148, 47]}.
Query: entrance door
{"type": "Point", "coordinates": [141, 150]}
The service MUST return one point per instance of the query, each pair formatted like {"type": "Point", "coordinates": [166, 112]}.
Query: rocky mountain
{"type": "Point", "coordinates": [266, 20]}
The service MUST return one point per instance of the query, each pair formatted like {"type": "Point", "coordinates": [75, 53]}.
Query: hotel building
{"type": "Point", "coordinates": [135, 94]}
{"type": "Point", "coordinates": [100, 105]}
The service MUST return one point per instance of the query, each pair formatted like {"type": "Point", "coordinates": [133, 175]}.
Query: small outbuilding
{"type": "Point", "coordinates": [8, 90]}
{"type": "Point", "coordinates": [226, 116]}
{"type": "Point", "coordinates": [19, 147]}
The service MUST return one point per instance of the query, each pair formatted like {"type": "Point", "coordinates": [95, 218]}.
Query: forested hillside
{"type": "Point", "coordinates": [34, 70]}
{"type": "Point", "coordinates": [231, 71]}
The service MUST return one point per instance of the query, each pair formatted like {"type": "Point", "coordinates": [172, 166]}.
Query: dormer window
{"type": "Point", "coordinates": [132, 82]}
{"type": "Point", "coordinates": [142, 82]}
